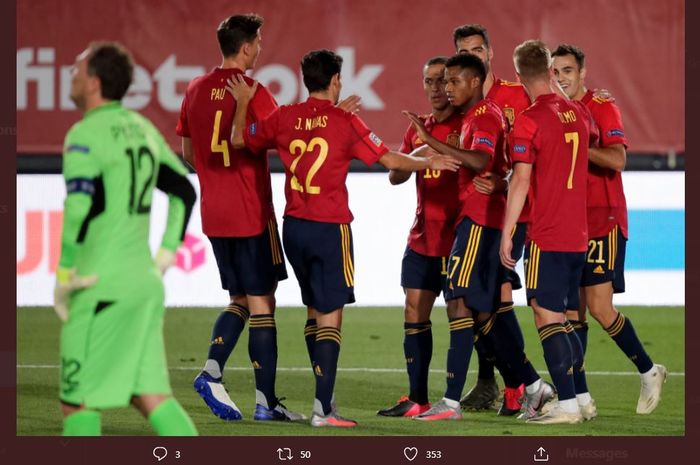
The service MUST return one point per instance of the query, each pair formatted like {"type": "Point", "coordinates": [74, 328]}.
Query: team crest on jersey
{"type": "Point", "coordinates": [453, 140]}
{"type": "Point", "coordinates": [510, 115]}
{"type": "Point", "coordinates": [375, 139]}
{"type": "Point", "coordinates": [616, 132]}
{"type": "Point", "coordinates": [417, 141]}
{"type": "Point", "coordinates": [252, 128]}
{"type": "Point", "coordinates": [518, 148]}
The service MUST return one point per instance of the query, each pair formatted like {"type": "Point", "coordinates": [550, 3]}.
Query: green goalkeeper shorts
{"type": "Point", "coordinates": [112, 345]}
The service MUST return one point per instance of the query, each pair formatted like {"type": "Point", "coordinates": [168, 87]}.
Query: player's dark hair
{"type": "Point", "coordinates": [470, 30]}
{"type": "Point", "coordinates": [236, 30]}
{"type": "Point", "coordinates": [532, 59]}
{"type": "Point", "coordinates": [438, 60]}
{"type": "Point", "coordinates": [111, 63]}
{"type": "Point", "coordinates": [318, 67]}
{"type": "Point", "coordinates": [470, 62]}
{"type": "Point", "coordinates": [568, 49]}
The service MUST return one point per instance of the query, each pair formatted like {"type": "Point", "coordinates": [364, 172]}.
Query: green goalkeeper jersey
{"type": "Point", "coordinates": [112, 160]}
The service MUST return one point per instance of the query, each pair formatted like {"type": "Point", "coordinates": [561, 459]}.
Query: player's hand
{"type": "Point", "coordinates": [239, 89]}
{"type": "Point", "coordinates": [66, 283]}
{"type": "Point", "coordinates": [443, 162]}
{"type": "Point", "coordinates": [165, 259]}
{"type": "Point", "coordinates": [505, 250]}
{"type": "Point", "coordinates": [418, 123]}
{"type": "Point", "coordinates": [489, 183]}
{"type": "Point", "coordinates": [350, 104]}
{"type": "Point", "coordinates": [603, 94]}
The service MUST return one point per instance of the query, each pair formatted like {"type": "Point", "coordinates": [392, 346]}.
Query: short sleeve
{"type": "Point", "coordinates": [485, 129]}
{"type": "Point", "coordinates": [367, 146]}
{"type": "Point", "coordinates": [183, 129]}
{"type": "Point", "coordinates": [521, 140]}
{"type": "Point", "coordinates": [262, 105]}
{"type": "Point", "coordinates": [260, 135]}
{"type": "Point", "coordinates": [609, 120]}
{"type": "Point", "coordinates": [407, 143]}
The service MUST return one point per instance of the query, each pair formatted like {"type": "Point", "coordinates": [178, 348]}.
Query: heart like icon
{"type": "Point", "coordinates": [410, 453]}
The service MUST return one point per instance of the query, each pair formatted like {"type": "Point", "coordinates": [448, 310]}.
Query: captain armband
{"type": "Point", "coordinates": [80, 185]}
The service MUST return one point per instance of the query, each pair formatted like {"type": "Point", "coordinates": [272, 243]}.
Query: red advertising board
{"type": "Point", "coordinates": [634, 48]}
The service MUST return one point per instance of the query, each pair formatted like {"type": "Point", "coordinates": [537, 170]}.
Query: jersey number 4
{"type": "Point", "coordinates": [298, 148]}
{"type": "Point", "coordinates": [216, 145]}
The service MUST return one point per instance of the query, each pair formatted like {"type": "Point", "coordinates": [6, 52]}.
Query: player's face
{"type": "Point", "coordinates": [434, 86]}
{"type": "Point", "coordinates": [79, 80]}
{"type": "Point", "coordinates": [475, 45]}
{"type": "Point", "coordinates": [569, 75]}
{"type": "Point", "coordinates": [254, 50]}
{"type": "Point", "coordinates": [461, 85]}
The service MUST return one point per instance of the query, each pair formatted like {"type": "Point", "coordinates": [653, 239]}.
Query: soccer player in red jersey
{"type": "Point", "coordinates": [604, 272]}
{"type": "Point", "coordinates": [316, 142]}
{"type": "Point", "coordinates": [424, 264]}
{"type": "Point", "coordinates": [474, 267]}
{"type": "Point", "coordinates": [512, 99]}
{"type": "Point", "coordinates": [238, 219]}
{"type": "Point", "coordinates": [549, 148]}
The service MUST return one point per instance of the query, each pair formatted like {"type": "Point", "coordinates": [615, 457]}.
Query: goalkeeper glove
{"type": "Point", "coordinates": [165, 259]}
{"type": "Point", "coordinates": [66, 283]}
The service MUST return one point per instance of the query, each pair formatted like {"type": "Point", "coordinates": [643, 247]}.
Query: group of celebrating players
{"type": "Point", "coordinates": [501, 168]}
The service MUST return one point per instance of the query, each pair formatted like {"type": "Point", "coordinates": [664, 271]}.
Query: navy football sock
{"type": "Point", "coordinates": [507, 323]}
{"type": "Point", "coordinates": [310, 337]}
{"type": "Point", "coordinates": [580, 384]}
{"type": "Point", "coordinates": [227, 329]}
{"type": "Point", "coordinates": [622, 332]}
{"type": "Point", "coordinates": [461, 345]}
{"type": "Point", "coordinates": [262, 349]}
{"type": "Point", "coordinates": [557, 355]}
{"type": "Point", "coordinates": [326, 354]}
{"type": "Point", "coordinates": [581, 328]}
{"type": "Point", "coordinates": [511, 360]}
{"type": "Point", "coordinates": [486, 359]}
{"type": "Point", "coordinates": [417, 347]}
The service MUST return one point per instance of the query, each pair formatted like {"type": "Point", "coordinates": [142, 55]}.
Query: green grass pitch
{"type": "Point", "coordinates": [371, 376]}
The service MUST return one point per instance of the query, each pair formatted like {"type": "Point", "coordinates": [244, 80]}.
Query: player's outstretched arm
{"type": "Point", "coordinates": [416, 162]}
{"type": "Point", "coordinates": [350, 104]}
{"type": "Point", "coordinates": [243, 93]}
{"type": "Point", "coordinates": [472, 159]}
{"type": "Point", "coordinates": [398, 177]}
{"type": "Point", "coordinates": [517, 193]}
{"type": "Point", "coordinates": [490, 183]}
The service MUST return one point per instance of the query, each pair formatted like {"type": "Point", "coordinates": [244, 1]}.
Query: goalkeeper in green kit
{"type": "Point", "coordinates": [109, 290]}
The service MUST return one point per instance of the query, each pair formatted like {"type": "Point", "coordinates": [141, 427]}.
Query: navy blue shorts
{"type": "Point", "coordinates": [553, 278]}
{"type": "Point", "coordinates": [475, 267]}
{"type": "Point", "coordinates": [322, 258]}
{"type": "Point", "coordinates": [605, 261]}
{"type": "Point", "coordinates": [423, 272]}
{"type": "Point", "coordinates": [250, 265]}
{"type": "Point", "coordinates": [508, 275]}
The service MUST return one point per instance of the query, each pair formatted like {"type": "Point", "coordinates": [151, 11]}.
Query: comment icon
{"type": "Point", "coordinates": [160, 452]}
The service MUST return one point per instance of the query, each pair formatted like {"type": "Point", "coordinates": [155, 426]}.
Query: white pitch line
{"type": "Point", "coordinates": [363, 370]}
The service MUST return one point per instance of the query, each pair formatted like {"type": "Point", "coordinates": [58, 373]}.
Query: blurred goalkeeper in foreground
{"type": "Point", "coordinates": [109, 291]}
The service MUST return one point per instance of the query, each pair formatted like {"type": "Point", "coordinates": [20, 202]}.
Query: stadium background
{"type": "Point", "coordinates": [634, 48]}
{"type": "Point", "coordinates": [627, 43]}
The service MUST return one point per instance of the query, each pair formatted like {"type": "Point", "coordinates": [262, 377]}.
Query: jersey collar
{"type": "Point", "coordinates": [110, 105]}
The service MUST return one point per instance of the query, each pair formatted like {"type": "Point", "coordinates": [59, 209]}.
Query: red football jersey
{"type": "Point", "coordinates": [316, 141]}
{"type": "Point", "coordinates": [606, 198]}
{"type": "Point", "coordinates": [483, 129]}
{"type": "Point", "coordinates": [432, 233]}
{"type": "Point", "coordinates": [236, 197]}
{"type": "Point", "coordinates": [553, 135]}
{"type": "Point", "coordinates": [512, 99]}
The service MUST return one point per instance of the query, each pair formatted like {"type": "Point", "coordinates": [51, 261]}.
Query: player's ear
{"type": "Point", "coordinates": [583, 73]}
